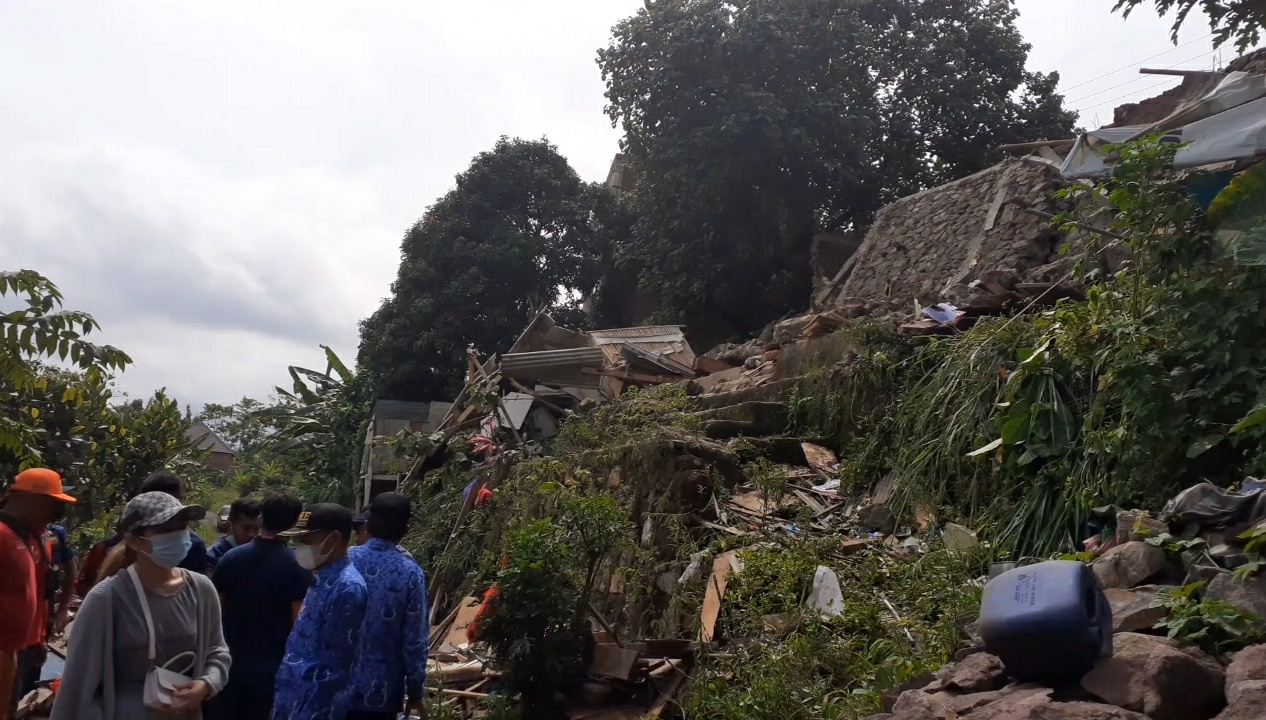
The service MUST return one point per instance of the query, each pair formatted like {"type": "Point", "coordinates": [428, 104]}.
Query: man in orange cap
{"type": "Point", "coordinates": [35, 499]}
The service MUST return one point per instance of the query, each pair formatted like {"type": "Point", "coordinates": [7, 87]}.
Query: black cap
{"type": "Point", "coordinates": [322, 517]}
{"type": "Point", "coordinates": [361, 518]}
{"type": "Point", "coordinates": [391, 507]}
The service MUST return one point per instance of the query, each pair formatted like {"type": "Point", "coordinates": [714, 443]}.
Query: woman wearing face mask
{"type": "Point", "coordinates": [144, 614]}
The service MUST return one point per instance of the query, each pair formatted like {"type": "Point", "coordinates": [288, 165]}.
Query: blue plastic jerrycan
{"type": "Point", "coordinates": [1048, 622]}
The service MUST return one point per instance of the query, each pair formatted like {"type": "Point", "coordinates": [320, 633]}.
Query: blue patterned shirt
{"type": "Point", "coordinates": [394, 641]}
{"type": "Point", "coordinates": [313, 680]}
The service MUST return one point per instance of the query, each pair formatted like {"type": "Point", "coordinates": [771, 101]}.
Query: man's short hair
{"type": "Point", "coordinates": [279, 511]}
{"type": "Point", "coordinates": [389, 514]}
{"type": "Point", "coordinates": [164, 483]}
{"type": "Point", "coordinates": [244, 508]}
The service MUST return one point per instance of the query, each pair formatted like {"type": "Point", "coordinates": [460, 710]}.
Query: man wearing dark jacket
{"type": "Point", "coordinates": [243, 527]}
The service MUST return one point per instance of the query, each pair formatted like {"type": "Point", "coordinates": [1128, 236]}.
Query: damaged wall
{"type": "Point", "coordinates": [830, 252]}
{"type": "Point", "coordinates": [931, 244]}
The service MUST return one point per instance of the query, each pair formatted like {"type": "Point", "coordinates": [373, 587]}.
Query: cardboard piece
{"type": "Point", "coordinates": [611, 660]}
{"type": "Point", "coordinates": [820, 458]}
{"type": "Point", "coordinates": [465, 614]}
{"type": "Point", "coordinates": [721, 569]}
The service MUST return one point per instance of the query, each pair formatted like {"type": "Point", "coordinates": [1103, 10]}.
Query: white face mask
{"type": "Point", "coordinates": [310, 557]}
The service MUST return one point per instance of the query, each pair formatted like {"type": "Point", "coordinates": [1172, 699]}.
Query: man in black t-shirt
{"type": "Point", "coordinates": [261, 588]}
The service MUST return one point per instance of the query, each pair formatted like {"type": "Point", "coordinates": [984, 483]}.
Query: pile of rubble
{"type": "Point", "coordinates": [1149, 674]}
{"type": "Point", "coordinates": [1147, 678]}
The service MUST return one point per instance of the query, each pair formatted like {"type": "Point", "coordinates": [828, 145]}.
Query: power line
{"type": "Point", "coordinates": [1131, 82]}
{"type": "Point", "coordinates": [1122, 97]}
{"type": "Point", "coordinates": [1140, 62]}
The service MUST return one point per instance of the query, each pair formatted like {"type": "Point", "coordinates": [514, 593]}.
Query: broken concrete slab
{"type": "Point", "coordinates": [1128, 565]}
{"type": "Point", "coordinates": [1148, 675]}
{"type": "Point", "coordinates": [1134, 610]}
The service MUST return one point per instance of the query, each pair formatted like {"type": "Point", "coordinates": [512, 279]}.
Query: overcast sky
{"type": "Point", "coordinates": [224, 184]}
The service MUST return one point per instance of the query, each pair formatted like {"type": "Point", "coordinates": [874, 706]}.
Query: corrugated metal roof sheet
{"type": "Point", "coordinates": [556, 367]}
{"type": "Point", "coordinates": [649, 333]}
{"type": "Point", "coordinates": [402, 410]}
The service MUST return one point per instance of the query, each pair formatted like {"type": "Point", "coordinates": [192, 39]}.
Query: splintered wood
{"type": "Point", "coordinates": [721, 569]}
{"type": "Point", "coordinates": [456, 634]}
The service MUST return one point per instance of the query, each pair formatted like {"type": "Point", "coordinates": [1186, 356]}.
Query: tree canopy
{"type": "Point", "coordinates": [1238, 21]}
{"type": "Point", "coordinates": [752, 124]}
{"type": "Point", "coordinates": [57, 404]}
{"type": "Point", "coordinates": [516, 234]}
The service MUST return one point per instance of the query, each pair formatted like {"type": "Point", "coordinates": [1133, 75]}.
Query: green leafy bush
{"type": "Point", "coordinates": [1214, 626]}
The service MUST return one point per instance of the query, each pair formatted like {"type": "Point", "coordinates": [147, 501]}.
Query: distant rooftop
{"type": "Point", "coordinates": [206, 439]}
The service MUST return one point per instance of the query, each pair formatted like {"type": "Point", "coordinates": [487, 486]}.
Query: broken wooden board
{"type": "Point", "coordinates": [709, 382]}
{"type": "Point", "coordinates": [611, 660]}
{"type": "Point", "coordinates": [457, 672]}
{"type": "Point", "coordinates": [465, 615]}
{"type": "Point", "coordinates": [671, 688]}
{"type": "Point", "coordinates": [852, 547]}
{"type": "Point", "coordinates": [721, 569]}
{"type": "Point", "coordinates": [819, 458]}
{"type": "Point", "coordinates": [754, 503]}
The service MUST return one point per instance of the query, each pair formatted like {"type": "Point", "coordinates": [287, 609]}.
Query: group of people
{"type": "Point", "coordinates": [286, 617]}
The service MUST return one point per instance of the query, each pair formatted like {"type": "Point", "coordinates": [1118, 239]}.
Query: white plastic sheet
{"type": "Point", "coordinates": [1228, 123]}
{"type": "Point", "coordinates": [825, 597]}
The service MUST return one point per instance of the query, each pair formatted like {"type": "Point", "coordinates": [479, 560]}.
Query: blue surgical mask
{"type": "Point", "coordinates": [169, 549]}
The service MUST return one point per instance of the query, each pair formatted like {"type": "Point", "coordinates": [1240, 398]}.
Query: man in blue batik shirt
{"type": "Point", "coordinates": [313, 682]}
{"type": "Point", "coordinates": [393, 648]}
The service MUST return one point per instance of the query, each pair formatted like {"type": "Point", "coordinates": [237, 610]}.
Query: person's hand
{"type": "Point", "coordinates": [61, 620]}
{"type": "Point", "coordinates": [189, 696]}
{"type": "Point", "coordinates": [417, 708]}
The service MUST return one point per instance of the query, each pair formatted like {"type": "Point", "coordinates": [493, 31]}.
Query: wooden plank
{"type": "Point", "coordinates": [441, 630]}
{"type": "Point", "coordinates": [1029, 146]}
{"type": "Point", "coordinates": [820, 458]}
{"type": "Point", "coordinates": [671, 688]}
{"type": "Point", "coordinates": [465, 614]}
{"type": "Point", "coordinates": [1181, 73]}
{"type": "Point", "coordinates": [634, 377]}
{"type": "Point", "coordinates": [840, 276]}
{"type": "Point", "coordinates": [611, 660]}
{"type": "Point", "coordinates": [721, 568]}
{"type": "Point", "coordinates": [722, 528]}
{"type": "Point", "coordinates": [812, 504]}
{"type": "Point", "coordinates": [615, 636]}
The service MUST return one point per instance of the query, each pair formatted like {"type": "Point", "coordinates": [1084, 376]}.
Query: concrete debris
{"type": "Point", "coordinates": [958, 537]}
{"type": "Point", "coordinates": [1125, 566]}
{"type": "Point", "coordinates": [978, 673]}
{"type": "Point", "coordinates": [933, 244]}
{"type": "Point", "coordinates": [1146, 674]}
{"type": "Point", "coordinates": [1135, 525]}
{"type": "Point", "coordinates": [1248, 595]}
{"type": "Point", "coordinates": [1135, 610]}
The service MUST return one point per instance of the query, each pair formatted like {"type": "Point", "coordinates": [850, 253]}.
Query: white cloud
{"type": "Point", "coordinates": [224, 185]}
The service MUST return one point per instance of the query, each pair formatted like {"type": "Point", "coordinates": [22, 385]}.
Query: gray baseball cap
{"type": "Point", "coordinates": [157, 508]}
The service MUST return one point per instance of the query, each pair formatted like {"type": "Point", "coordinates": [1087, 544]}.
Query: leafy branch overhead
{"type": "Point", "coordinates": [1238, 21]}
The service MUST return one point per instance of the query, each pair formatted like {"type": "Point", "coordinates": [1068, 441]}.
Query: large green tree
{"type": "Point", "coordinates": [57, 403]}
{"type": "Point", "coordinates": [1238, 21]}
{"type": "Point", "coordinates": [753, 124]}
{"type": "Point", "coordinates": [516, 234]}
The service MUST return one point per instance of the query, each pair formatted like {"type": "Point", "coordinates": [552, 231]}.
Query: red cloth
{"type": "Point", "coordinates": [486, 608]}
{"type": "Point", "coordinates": [484, 496]}
{"type": "Point", "coordinates": [23, 611]}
